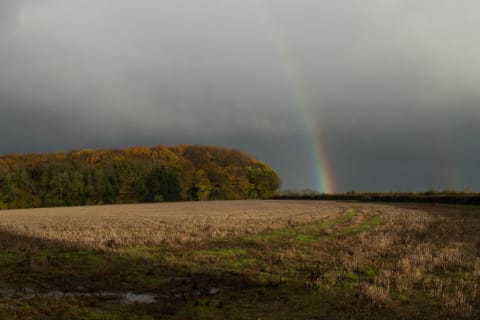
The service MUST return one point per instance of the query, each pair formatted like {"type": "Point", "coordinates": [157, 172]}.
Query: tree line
{"type": "Point", "coordinates": [465, 197]}
{"type": "Point", "coordinates": [133, 175]}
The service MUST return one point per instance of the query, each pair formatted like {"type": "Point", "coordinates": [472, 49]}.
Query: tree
{"type": "Point", "coordinates": [5, 190]}
{"type": "Point", "coordinates": [162, 185]}
{"type": "Point", "coordinates": [264, 182]}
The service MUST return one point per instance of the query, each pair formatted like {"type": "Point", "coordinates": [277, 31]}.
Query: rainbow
{"type": "Point", "coordinates": [324, 181]}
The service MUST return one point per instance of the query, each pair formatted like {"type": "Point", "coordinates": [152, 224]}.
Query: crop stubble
{"type": "Point", "coordinates": [100, 227]}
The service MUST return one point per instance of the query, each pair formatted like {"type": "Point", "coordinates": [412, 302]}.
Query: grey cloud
{"type": "Point", "coordinates": [8, 13]}
{"type": "Point", "coordinates": [392, 84]}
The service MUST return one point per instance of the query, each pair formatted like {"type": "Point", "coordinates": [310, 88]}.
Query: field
{"type": "Point", "coordinates": [241, 260]}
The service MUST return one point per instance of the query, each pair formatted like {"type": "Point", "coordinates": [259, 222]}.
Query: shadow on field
{"type": "Point", "coordinates": [447, 210]}
{"type": "Point", "coordinates": [42, 266]}
{"type": "Point", "coordinates": [10, 241]}
{"type": "Point", "coordinates": [460, 222]}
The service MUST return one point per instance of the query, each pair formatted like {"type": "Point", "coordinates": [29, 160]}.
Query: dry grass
{"type": "Point", "coordinates": [100, 227]}
{"type": "Point", "coordinates": [429, 252]}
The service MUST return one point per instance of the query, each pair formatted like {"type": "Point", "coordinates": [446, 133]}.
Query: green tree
{"type": "Point", "coordinates": [5, 190]}
{"type": "Point", "coordinates": [162, 185]}
{"type": "Point", "coordinates": [264, 182]}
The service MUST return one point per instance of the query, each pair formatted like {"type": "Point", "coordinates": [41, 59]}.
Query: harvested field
{"type": "Point", "coordinates": [153, 224]}
{"type": "Point", "coordinates": [241, 260]}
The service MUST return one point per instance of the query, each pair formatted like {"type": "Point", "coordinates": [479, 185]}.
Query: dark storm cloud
{"type": "Point", "coordinates": [393, 84]}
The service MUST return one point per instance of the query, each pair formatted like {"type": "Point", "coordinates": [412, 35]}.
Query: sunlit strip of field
{"type": "Point", "coordinates": [116, 226]}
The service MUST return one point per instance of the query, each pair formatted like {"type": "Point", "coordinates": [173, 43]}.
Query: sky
{"type": "Point", "coordinates": [379, 95]}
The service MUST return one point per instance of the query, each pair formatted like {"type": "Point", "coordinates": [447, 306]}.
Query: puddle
{"type": "Point", "coordinates": [129, 298]}
{"type": "Point", "coordinates": [122, 297]}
